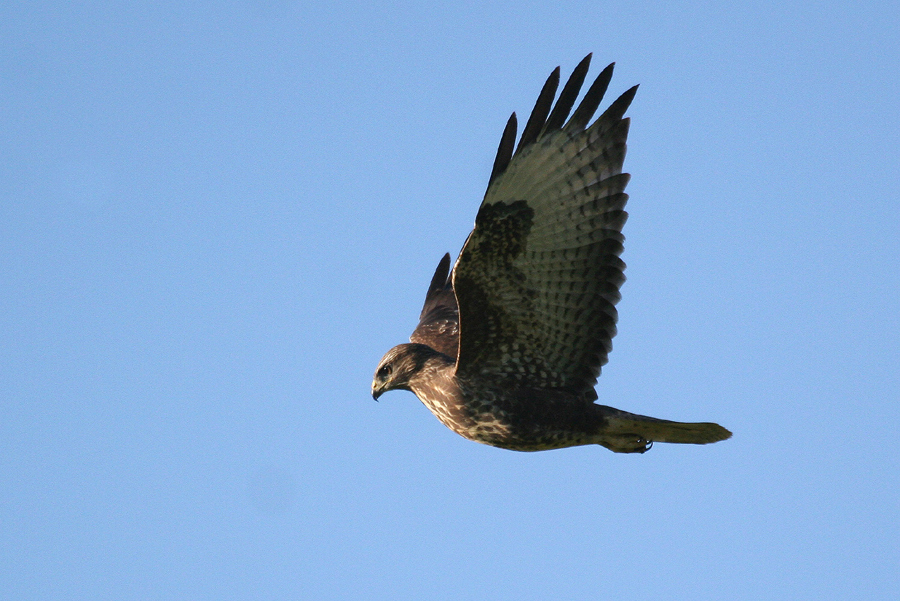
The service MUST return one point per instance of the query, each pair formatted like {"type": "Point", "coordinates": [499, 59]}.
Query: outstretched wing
{"type": "Point", "coordinates": [439, 321]}
{"type": "Point", "coordinates": [538, 279]}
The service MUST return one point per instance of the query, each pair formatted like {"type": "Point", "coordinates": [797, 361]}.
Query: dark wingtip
{"type": "Point", "coordinates": [591, 100]}
{"type": "Point", "coordinates": [438, 284]}
{"type": "Point", "coordinates": [540, 111]}
{"type": "Point", "coordinates": [439, 279]}
{"type": "Point", "coordinates": [567, 97]}
{"type": "Point", "coordinates": [617, 109]}
{"type": "Point", "coordinates": [543, 119]}
{"type": "Point", "coordinates": [505, 150]}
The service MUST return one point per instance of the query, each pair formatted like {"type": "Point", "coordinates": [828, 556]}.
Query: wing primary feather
{"type": "Point", "coordinates": [617, 109]}
{"type": "Point", "coordinates": [591, 100]}
{"type": "Point", "coordinates": [567, 97]}
{"type": "Point", "coordinates": [505, 150]}
{"type": "Point", "coordinates": [438, 283]}
{"type": "Point", "coordinates": [439, 321]}
{"type": "Point", "coordinates": [540, 111]}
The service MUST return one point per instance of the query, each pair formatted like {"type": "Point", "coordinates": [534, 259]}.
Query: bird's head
{"type": "Point", "coordinates": [399, 366]}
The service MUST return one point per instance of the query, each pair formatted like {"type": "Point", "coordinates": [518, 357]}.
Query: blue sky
{"type": "Point", "coordinates": [216, 217]}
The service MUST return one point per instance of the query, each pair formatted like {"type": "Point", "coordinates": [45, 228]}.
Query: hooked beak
{"type": "Point", "coordinates": [376, 392]}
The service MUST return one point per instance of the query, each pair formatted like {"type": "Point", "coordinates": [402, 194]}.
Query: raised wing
{"type": "Point", "coordinates": [538, 279]}
{"type": "Point", "coordinates": [439, 321]}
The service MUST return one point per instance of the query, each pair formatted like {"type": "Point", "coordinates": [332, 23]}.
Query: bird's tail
{"type": "Point", "coordinates": [630, 433]}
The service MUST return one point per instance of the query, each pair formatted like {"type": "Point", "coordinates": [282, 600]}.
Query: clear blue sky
{"type": "Point", "coordinates": [216, 217]}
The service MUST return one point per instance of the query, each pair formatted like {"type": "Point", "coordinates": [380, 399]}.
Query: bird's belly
{"type": "Point", "coordinates": [469, 420]}
{"type": "Point", "coordinates": [489, 423]}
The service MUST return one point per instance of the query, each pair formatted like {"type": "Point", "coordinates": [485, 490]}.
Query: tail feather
{"type": "Point", "coordinates": [651, 429]}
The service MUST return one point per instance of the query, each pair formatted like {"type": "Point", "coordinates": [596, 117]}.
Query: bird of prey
{"type": "Point", "coordinates": [511, 340]}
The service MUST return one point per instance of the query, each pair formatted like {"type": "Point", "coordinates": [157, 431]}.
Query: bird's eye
{"type": "Point", "coordinates": [384, 372]}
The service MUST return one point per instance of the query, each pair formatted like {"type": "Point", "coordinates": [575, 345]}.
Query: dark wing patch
{"type": "Point", "coordinates": [503, 228]}
{"type": "Point", "coordinates": [538, 279]}
{"type": "Point", "coordinates": [439, 321]}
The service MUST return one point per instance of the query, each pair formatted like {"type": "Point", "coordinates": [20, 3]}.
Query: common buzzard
{"type": "Point", "coordinates": [511, 340]}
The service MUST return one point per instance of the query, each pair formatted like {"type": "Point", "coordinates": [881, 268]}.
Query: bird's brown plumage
{"type": "Point", "coordinates": [510, 342]}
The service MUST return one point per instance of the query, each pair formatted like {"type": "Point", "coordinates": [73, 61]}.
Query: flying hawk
{"type": "Point", "coordinates": [511, 340]}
